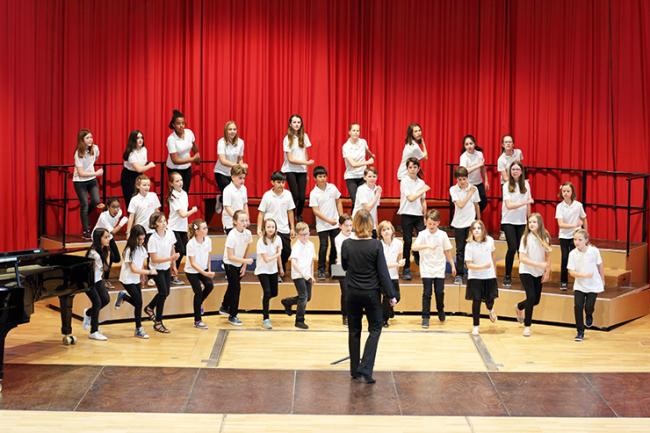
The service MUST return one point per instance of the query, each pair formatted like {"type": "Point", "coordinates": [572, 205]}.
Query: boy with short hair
{"type": "Point", "coordinates": [466, 209]}
{"type": "Point", "coordinates": [302, 264]}
{"type": "Point", "coordinates": [235, 197]}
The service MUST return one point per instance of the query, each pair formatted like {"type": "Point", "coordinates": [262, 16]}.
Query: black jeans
{"type": "Point", "coordinates": [99, 298]}
{"type": "Point", "coordinates": [230, 302]}
{"type": "Point", "coordinates": [202, 287]}
{"type": "Point", "coordinates": [286, 249]}
{"type": "Point", "coordinates": [476, 309]}
{"type": "Point", "coordinates": [352, 185]}
{"type": "Point", "coordinates": [430, 285]}
{"type": "Point", "coordinates": [566, 245]}
{"type": "Point", "coordinates": [85, 189]}
{"type": "Point", "coordinates": [297, 185]}
{"type": "Point", "coordinates": [269, 283]}
{"type": "Point", "coordinates": [533, 287]}
{"type": "Point", "coordinates": [222, 182]}
{"type": "Point", "coordinates": [482, 196]}
{"type": "Point", "coordinates": [386, 308]}
{"type": "Point", "coordinates": [322, 247]}
{"type": "Point", "coordinates": [303, 287]}
{"type": "Point", "coordinates": [163, 282]}
{"type": "Point", "coordinates": [134, 298]}
{"type": "Point", "coordinates": [513, 238]}
{"type": "Point", "coordinates": [583, 302]}
{"type": "Point", "coordinates": [127, 179]}
{"type": "Point", "coordinates": [360, 302]}
{"type": "Point", "coordinates": [181, 244]}
{"type": "Point", "coordinates": [460, 236]}
{"type": "Point", "coordinates": [410, 222]}
{"type": "Point", "coordinates": [186, 174]}
{"type": "Point", "coordinates": [114, 257]}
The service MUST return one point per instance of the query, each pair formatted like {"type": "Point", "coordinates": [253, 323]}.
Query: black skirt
{"type": "Point", "coordinates": [481, 290]}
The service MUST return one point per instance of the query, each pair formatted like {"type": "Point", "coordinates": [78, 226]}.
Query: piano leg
{"type": "Point", "coordinates": [3, 335]}
{"type": "Point", "coordinates": [65, 302]}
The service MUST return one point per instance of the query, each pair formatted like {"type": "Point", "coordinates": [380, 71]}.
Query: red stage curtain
{"type": "Point", "coordinates": [570, 81]}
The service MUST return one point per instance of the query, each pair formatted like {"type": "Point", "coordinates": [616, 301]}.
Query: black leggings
{"type": "Point", "coordinates": [482, 196]}
{"type": "Point", "coordinates": [84, 190]}
{"type": "Point", "coordinates": [181, 243]}
{"type": "Point", "coordinates": [476, 309]}
{"type": "Point", "coordinates": [352, 185]}
{"type": "Point", "coordinates": [269, 284]}
{"type": "Point", "coordinates": [410, 222]}
{"type": "Point", "coordinates": [430, 285]}
{"type": "Point", "coordinates": [222, 182]}
{"type": "Point", "coordinates": [533, 287]}
{"type": "Point", "coordinates": [134, 298]}
{"type": "Point", "coordinates": [163, 282]}
{"type": "Point", "coordinates": [297, 185]}
{"type": "Point", "coordinates": [583, 302]}
{"type": "Point", "coordinates": [513, 238]}
{"type": "Point", "coordinates": [114, 257]}
{"type": "Point", "coordinates": [230, 302]}
{"type": "Point", "coordinates": [202, 287]}
{"type": "Point", "coordinates": [127, 179]}
{"type": "Point", "coordinates": [99, 298]}
{"type": "Point", "coordinates": [566, 245]}
{"type": "Point", "coordinates": [186, 174]}
{"type": "Point", "coordinates": [387, 309]}
{"type": "Point", "coordinates": [286, 249]}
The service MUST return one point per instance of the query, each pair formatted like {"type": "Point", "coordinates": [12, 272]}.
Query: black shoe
{"type": "Point", "coordinates": [345, 320]}
{"type": "Point", "coordinates": [368, 379]}
{"type": "Point", "coordinates": [301, 325]}
{"type": "Point", "coordinates": [386, 325]}
{"type": "Point", "coordinates": [86, 234]}
{"type": "Point", "coordinates": [406, 275]}
{"type": "Point", "coordinates": [425, 323]}
{"type": "Point", "coordinates": [321, 275]}
{"type": "Point", "coordinates": [507, 281]}
{"type": "Point", "coordinates": [287, 307]}
{"type": "Point", "coordinates": [589, 321]}
{"type": "Point", "coordinates": [441, 316]}
{"type": "Point", "coordinates": [579, 336]}
{"type": "Point", "coordinates": [564, 287]}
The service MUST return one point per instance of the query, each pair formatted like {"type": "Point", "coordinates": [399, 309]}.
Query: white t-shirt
{"type": "Point", "coordinates": [412, 150]}
{"type": "Point", "coordinates": [162, 247]}
{"type": "Point", "coordinates": [569, 214]}
{"type": "Point", "coordinates": [303, 253]}
{"type": "Point", "coordinates": [534, 251]}
{"type": "Point", "coordinates": [586, 262]}
{"type": "Point", "coordinates": [433, 263]}
{"type": "Point", "coordinates": [391, 252]}
{"type": "Point", "coordinates": [514, 216]}
{"type": "Point", "coordinates": [180, 146]}
{"type": "Point", "coordinates": [365, 195]}
{"type": "Point", "coordinates": [233, 153]}
{"type": "Point", "coordinates": [270, 249]}
{"type": "Point", "coordinates": [179, 201]}
{"type": "Point", "coordinates": [108, 222]}
{"type": "Point", "coordinates": [139, 256]}
{"type": "Point", "coordinates": [480, 253]}
{"type": "Point", "coordinates": [238, 241]}
{"type": "Point", "coordinates": [357, 153]}
{"type": "Point", "coordinates": [463, 217]}
{"type": "Point", "coordinates": [87, 163]}
{"type": "Point", "coordinates": [297, 152]}
{"type": "Point", "coordinates": [410, 186]}
{"type": "Point", "coordinates": [235, 198]}
{"type": "Point", "coordinates": [338, 242]}
{"type": "Point", "coordinates": [138, 156]}
{"type": "Point", "coordinates": [201, 253]}
{"type": "Point", "coordinates": [276, 206]}
{"type": "Point", "coordinates": [142, 206]}
{"type": "Point", "coordinates": [504, 161]}
{"type": "Point", "coordinates": [325, 201]}
{"type": "Point", "coordinates": [98, 266]}
{"type": "Point", "coordinates": [466, 159]}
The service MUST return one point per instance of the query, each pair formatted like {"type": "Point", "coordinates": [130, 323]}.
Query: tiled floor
{"type": "Point", "coordinates": [194, 390]}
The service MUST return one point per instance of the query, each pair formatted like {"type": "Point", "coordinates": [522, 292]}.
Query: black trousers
{"type": "Point", "coordinates": [410, 222]}
{"type": "Point", "coordinates": [181, 244]}
{"type": "Point", "coordinates": [323, 238]}
{"type": "Point", "coordinates": [222, 182]}
{"type": "Point", "coordinates": [134, 298]}
{"type": "Point", "coordinates": [353, 185]}
{"type": "Point", "coordinates": [566, 245]}
{"type": "Point", "coordinates": [387, 309]}
{"type": "Point", "coordinates": [513, 238]}
{"type": "Point", "coordinates": [476, 309]}
{"type": "Point", "coordinates": [362, 302]}
{"type": "Point", "coordinates": [202, 287]}
{"type": "Point", "coordinates": [482, 196]}
{"type": "Point", "coordinates": [269, 283]}
{"type": "Point", "coordinates": [429, 286]}
{"type": "Point", "coordinates": [286, 249]}
{"type": "Point", "coordinates": [127, 179]}
{"type": "Point", "coordinates": [186, 174]}
{"type": "Point", "coordinates": [85, 189]}
{"type": "Point", "coordinates": [99, 298]}
{"type": "Point", "coordinates": [343, 284]}
{"type": "Point", "coordinates": [303, 287]}
{"type": "Point", "coordinates": [114, 257]}
{"type": "Point", "coordinates": [460, 236]}
{"type": "Point", "coordinates": [163, 283]}
{"type": "Point", "coordinates": [533, 287]}
{"type": "Point", "coordinates": [297, 185]}
{"type": "Point", "coordinates": [230, 302]}
{"type": "Point", "coordinates": [583, 302]}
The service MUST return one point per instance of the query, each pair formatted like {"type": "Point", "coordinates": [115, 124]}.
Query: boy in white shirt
{"type": "Point", "coordinates": [368, 197]}
{"type": "Point", "coordinates": [412, 208]}
{"type": "Point", "coordinates": [235, 196]}
{"type": "Point", "coordinates": [325, 201]}
{"type": "Point", "coordinates": [302, 259]}
{"type": "Point", "coordinates": [466, 209]}
{"type": "Point", "coordinates": [277, 204]}
{"type": "Point", "coordinates": [435, 249]}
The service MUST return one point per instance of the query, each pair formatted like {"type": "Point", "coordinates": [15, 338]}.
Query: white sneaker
{"type": "Point", "coordinates": [86, 321]}
{"type": "Point", "coordinates": [266, 324]}
{"type": "Point", "coordinates": [493, 316]}
{"type": "Point", "coordinates": [475, 330]}
{"type": "Point", "coordinates": [151, 282]}
{"type": "Point", "coordinates": [520, 314]}
{"type": "Point", "coordinates": [527, 331]}
{"type": "Point", "coordinates": [98, 336]}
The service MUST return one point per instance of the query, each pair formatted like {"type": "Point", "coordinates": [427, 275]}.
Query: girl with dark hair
{"type": "Point", "coordinates": [135, 164]}
{"type": "Point", "coordinates": [414, 147]}
{"type": "Point", "coordinates": [295, 163]}
{"type": "Point", "coordinates": [84, 177]}
{"type": "Point", "coordinates": [472, 159]}
{"type": "Point", "coordinates": [113, 221]}
{"type": "Point", "coordinates": [98, 294]}
{"type": "Point", "coordinates": [180, 143]}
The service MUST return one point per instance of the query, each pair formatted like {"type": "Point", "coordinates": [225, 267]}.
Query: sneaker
{"type": "Point", "coordinates": [502, 236]}
{"type": "Point", "coordinates": [520, 314]}
{"type": "Point", "coordinates": [321, 275]}
{"type": "Point", "coordinates": [301, 325]}
{"type": "Point", "coordinates": [345, 321]}
{"type": "Point", "coordinates": [458, 280]}
{"type": "Point", "coordinates": [266, 324]}
{"type": "Point", "coordinates": [475, 330]}
{"type": "Point", "coordinates": [589, 321]}
{"type": "Point", "coordinates": [493, 316]}
{"type": "Point", "coordinates": [87, 235]}
{"type": "Point", "coordinates": [119, 300]}
{"type": "Point", "coordinates": [579, 336]}
{"type": "Point", "coordinates": [86, 320]}
{"type": "Point", "coordinates": [406, 275]}
{"type": "Point", "coordinates": [287, 307]}
{"type": "Point", "coordinates": [98, 336]}
{"type": "Point", "coordinates": [139, 333]}
{"type": "Point", "coordinates": [108, 285]}
{"type": "Point", "coordinates": [200, 325]}
{"type": "Point", "coordinates": [442, 316]}
{"type": "Point", "coordinates": [177, 282]}
{"type": "Point", "coordinates": [218, 207]}
{"type": "Point", "coordinates": [425, 323]}
{"type": "Point", "coordinates": [527, 331]}
{"type": "Point", "coordinates": [223, 311]}
{"type": "Point", "coordinates": [507, 282]}
{"type": "Point", "coordinates": [386, 324]}
{"type": "Point", "coordinates": [564, 287]}
{"type": "Point", "coordinates": [151, 282]}
{"type": "Point", "coordinates": [234, 321]}
{"type": "Point", "coordinates": [280, 280]}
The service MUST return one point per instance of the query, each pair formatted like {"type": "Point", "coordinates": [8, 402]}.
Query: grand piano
{"type": "Point", "coordinates": [31, 275]}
